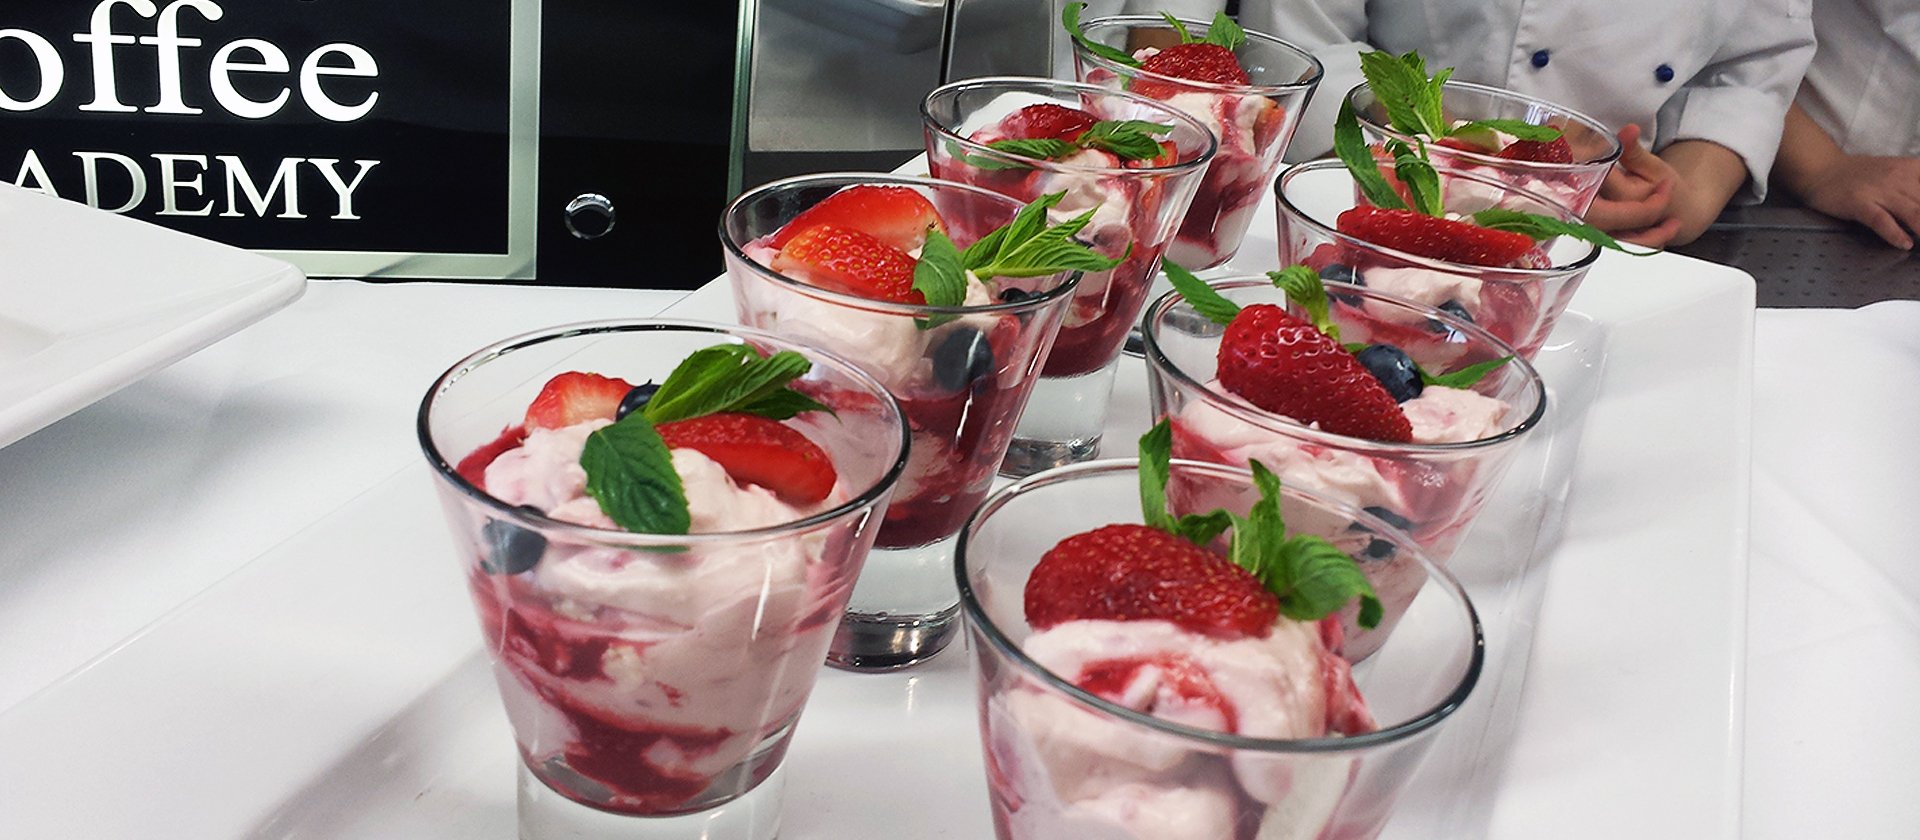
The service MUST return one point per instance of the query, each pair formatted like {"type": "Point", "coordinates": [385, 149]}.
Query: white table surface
{"type": "Point", "coordinates": [119, 514]}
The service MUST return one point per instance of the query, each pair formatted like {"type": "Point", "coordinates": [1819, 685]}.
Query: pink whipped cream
{"type": "Point", "coordinates": [649, 672]}
{"type": "Point", "coordinates": [1078, 774]}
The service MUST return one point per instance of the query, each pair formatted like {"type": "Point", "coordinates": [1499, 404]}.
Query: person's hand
{"type": "Point", "coordinates": [1882, 193]}
{"type": "Point", "coordinates": [1635, 200]}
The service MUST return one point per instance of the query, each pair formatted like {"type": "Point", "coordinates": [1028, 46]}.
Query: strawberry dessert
{"type": "Point", "coordinates": [1411, 423]}
{"type": "Point", "coordinates": [955, 333]}
{"type": "Point", "coordinates": [1204, 76]}
{"type": "Point", "coordinates": [1176, 619]}
{"type": "Point", "coordinates": [643, 677]}
{"type": "Point", "coordinates": [1132, 161]}
{"type": "Point", "coordinates": [1526, 143]}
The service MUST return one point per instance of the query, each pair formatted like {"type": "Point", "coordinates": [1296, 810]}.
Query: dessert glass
{"type": "Point", "coordinates": [1062, 762]}
{"type": "Point", "coordinates": [1430, 490]}
{"type": "Point", "coordinates": [962, 375]}
{"type": "Point", "coordinates": [1253, 123]}
{"type": "Point", "coordinates": [1517, 305]}
{"type": "Point", "coordinates": [1571, 185]}
{"type": "Point", "coordinates": [1137, 212]}
{"type": "Point", "coordinates": [653, 681]}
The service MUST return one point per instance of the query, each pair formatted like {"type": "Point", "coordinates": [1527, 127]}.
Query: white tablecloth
{"type": "Point", "coordinates": [121, 513]}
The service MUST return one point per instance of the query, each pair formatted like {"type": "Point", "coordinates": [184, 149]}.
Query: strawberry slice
{"type": "Point", "coordinates": [1431, 236]}
{"type": "Point", "coordinates": [1046, 121]}
{"type": "Point", "coordinates": [1550, 151]}
{"type": "Point", "coordinates": [1136, 572]}
{"type": "Point", "coordinates": [575, 397]}
{"type": "Point", "coordinates": [756, 450]}
{"type": "Point", "coordinates": [851, 261]}
{"type": "Point", "coordinates": [898, 216]}
{"type": "Point", "coordinates": [1288, 366]}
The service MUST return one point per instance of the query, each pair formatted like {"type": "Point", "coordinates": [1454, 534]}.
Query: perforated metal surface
{"type": "Point", "coordinates": [1799, 258]}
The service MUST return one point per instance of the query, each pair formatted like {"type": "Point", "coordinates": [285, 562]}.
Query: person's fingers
{"type": "Point", "coordinates": [1609, 215]}
{"type": "Point", "coordinates": [1629, 135]}
{"type": "Point", "coordinates": [1621, 185]}
{"type": "Point", "coordinates": [1657, 236]}
{"type": "Point", "coordinates": [1894, 220]}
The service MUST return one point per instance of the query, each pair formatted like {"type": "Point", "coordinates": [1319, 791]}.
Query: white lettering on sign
{"type": "Point", "coordinates": [168, 38]}
{"type": "Point", "coordinates": [182, 184]}
{"type": "Point", "coordinates": [53, 74]}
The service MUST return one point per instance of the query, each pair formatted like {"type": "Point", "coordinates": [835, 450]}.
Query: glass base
{"type": "Point", "coordinates": [1062, 423]}
{"type": "Point", "coordinates": [902, 611]}
{"type": "Point", "coordinates": [547, 815]}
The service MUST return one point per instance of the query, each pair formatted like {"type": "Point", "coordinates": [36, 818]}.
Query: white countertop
{"type": "Point", "coordinates": [118, 516]}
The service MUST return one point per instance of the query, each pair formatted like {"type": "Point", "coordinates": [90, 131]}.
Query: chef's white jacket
{"type": "Point", "coordinates": [1864, 84]}
{"type": "Point", "coordinates": [1731, 66]}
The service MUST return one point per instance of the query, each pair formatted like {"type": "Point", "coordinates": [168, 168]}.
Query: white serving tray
{"type": "Point", "coordinates": [91, 301]}
{"type": "Point", "coordinates": [334, 688]}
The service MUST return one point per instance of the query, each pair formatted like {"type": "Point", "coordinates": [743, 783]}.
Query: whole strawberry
{"type": "Point", "coordinates": [1138, 572]}
{"type": "Point", "coordinates": [1537, 151]}
{"type": "Point", "coordinates": [1286, 365]}
{"type": "Point", "coordinates": [1210, 63]}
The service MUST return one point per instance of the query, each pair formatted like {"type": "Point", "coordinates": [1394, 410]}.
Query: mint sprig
{"type": "Point", "coordinates": [1126, 139]}
{"type": "Point", "coordinates": [1225, 32]}
{"type": "Point", "coordinates": [1351, 146]}
{"type": "Point", "coordinates": [1307, 291]}
{"type": "Point", "coordinates": [1414, 101]}
{"type": "Point", "coordinates": [1070, 18]}
{"type": "Point", "coordinates": [1198, 294]}
{"type": "Point", "coordinates": [1464, 377]}
{"type": "Point", "coordinates": [1546, 227]}
{"type": "Point", "coordinates": [939, 275]}
{"type": "Point", "coordinates": [1312, 578]}
{"type": "Point", "coordinates": [1026, 246]}
{"type": "Point", "coordinates": [630, 473]}
{"type": "Point", "coordinates": [629, 468]}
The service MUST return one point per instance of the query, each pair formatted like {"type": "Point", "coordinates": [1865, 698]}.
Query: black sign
{"type": "Point", "coordinates": [354, 137]}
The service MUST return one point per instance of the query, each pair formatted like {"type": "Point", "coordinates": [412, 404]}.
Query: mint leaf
{"type": "Point", "coordinates": [1314, 580]}
{"type": "Point", "coordinates": [938, 274]}
{"type": "Point", "coordinates": [1520, 129]}
{"type": "Point", "coordinates": [1545, 227]}
{"type": "Point", "coordinates": [1070, 18]}
{"type": "Point", "coordinates": [1464, 377]}
{"type": "Point", "coordinates": [1185, 36]}
{"type": "Point", "coordinates": [1040, 147]}
{"type": "Point", "coordinates": [1027, 222]}
{"type": "Point", "coordinates": [1304, 287]}
{"type": "Point", "coordinates": [729, 377]}
{"type": "Point", "coordinates": [1156, 463]}
{"type": "Point", "coordinates": [1352, 148]}
{"type": "Point", "coordinates": [1203, 528]}
{"type": "Point", "coordinates": [1399, 88]}
{"type": "Point", "coordinates": [630, 473]}
{"type": "Point", "coordinates": [1225, 32]}
{"type": "Point", "coordinates": [1049, 251]}
{"type": "Point", "coordinates": [1422, 182]}
{"type": "Point", "coordinates": [1258, 536]}
{"type": "Point", "coordinates": [1204, 298]}
{"type": "Point", "coordinates": [1128, 139]}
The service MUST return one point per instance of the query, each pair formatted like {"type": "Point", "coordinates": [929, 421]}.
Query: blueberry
{"type": "Point", "coordinates": [1451, 307]}
{"type": "Point", "coordinates": [1379, 549]}
{"type": "Point", "coordinates": [1394, 369]}
{"type": "Point", "coordinates": [961, 357]}
{"type": "Point", "coordinates": [1341, 273]}
{"type": "Point", "coordinates": [636, 399]}
{"type": "Point", "coordinates": [511, 549]}
{"type": "Point", "coordinates": [1014, 294]}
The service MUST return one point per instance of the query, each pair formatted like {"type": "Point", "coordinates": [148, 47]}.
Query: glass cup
{"type": "Point", "coordinates": [1063, 761]}
{"type": "Point", "coordinates": [1430, 490]}
{"type": "Point", "coordinates": [1138, 209]}
{"type": "Point", "coordinates": [962, 375]}
{"type": "Point", "coordinates": [653, 681]}
{"type": "Point", "coordinates": [1571, 185]}
{"type": "Point", "coordinates": [1253, 123]}
{"type": "Point", "coordinates": [1517, 305]}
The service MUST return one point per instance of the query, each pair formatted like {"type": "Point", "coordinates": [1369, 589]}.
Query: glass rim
{"type": "Point", "coordinates": [588, 534]}
{"type": "Point", "coordinates": [1286, 206]}
{"type": "Point", "coordinates": [1157, 360]}
{"type": "Point", "coordinates": [915, 310]}
{"type": "Point", "coordinates": [1306, 82]}
{"type": "Point", "coordinates": [1591, 124]}
{"type": "Point", "coordinates": [955, 88]}
{"type": "Point", "coordinates": [1400, 731]}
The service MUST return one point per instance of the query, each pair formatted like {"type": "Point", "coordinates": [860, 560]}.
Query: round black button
{"type": "Point", "coordinates": [1540, 58]}
{"type": "Point", "coordinates": [1664, 73]}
